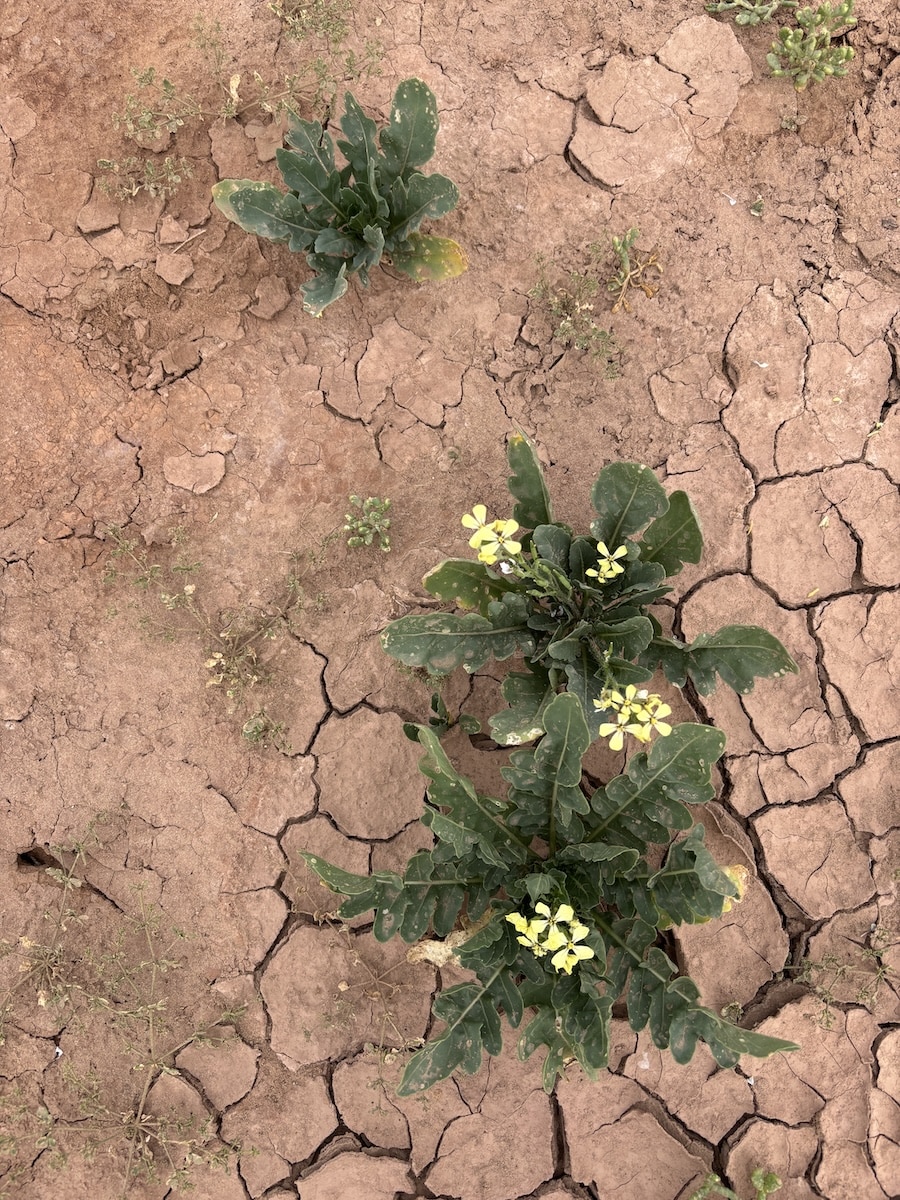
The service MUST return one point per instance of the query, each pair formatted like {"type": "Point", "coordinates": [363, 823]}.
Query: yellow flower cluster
{"type": "Point", "coordinates": [637, 712]}
{"type": "Point", "coordinates": [492, 539]}
{"type": "Point", "coordinates": [607, 567]}
{"type": "Point", "coordinates": [545, 934]}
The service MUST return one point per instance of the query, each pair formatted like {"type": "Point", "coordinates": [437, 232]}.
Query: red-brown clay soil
{"type": "Point", "coordinates": [158, 372]}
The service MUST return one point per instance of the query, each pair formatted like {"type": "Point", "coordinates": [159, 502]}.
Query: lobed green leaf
{"type": "Point", "coordinates": [441, 642]}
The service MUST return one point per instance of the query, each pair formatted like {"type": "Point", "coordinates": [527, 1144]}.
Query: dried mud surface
{"type": "Point", "coordinates": [151, 384]}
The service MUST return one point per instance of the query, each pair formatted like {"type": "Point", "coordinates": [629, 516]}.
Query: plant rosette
{"type": "Point", "coordinates": [565, 889]}
{"type": "Point", "coordinates": [346, 218]}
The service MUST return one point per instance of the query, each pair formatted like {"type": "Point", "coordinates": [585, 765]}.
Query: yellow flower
{"type": "Point", "coordinates": [476, 519]}
{"type": "Point", "coordinates": [493, 540]}
{"type": "Point", "coordinates": [529, 932]}
{"type": "Point", "coordinates": [571, 953]}
{"type": "Point", "coordinates": [637, 713]}
{"type": "Point", "coordinates": [607, 568]}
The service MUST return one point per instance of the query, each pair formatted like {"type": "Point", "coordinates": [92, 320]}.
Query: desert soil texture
{"type": "Point", "coordinates": [192, 688]}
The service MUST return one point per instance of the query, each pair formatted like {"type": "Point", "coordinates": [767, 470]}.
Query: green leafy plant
{"type": "Point", "coordinates": [751, 12]}
{"type": "Point", "coordinates": [630, 270]}
{"type": "Point", "coordinates": [347, 218]}
{"type": "Point", "coordinates": [557, 897]}
{"type": "Point", "coordinates": [806, 55]}
{"type": "Point", "coordinates": [368, 522]}
{"type": "Point", "coordinates": [571, 305]}
{"type": "Point", "coordinates": [765, 1183]}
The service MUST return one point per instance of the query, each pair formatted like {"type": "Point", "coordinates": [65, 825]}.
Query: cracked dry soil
{"type": "Point", "coordinates": [157, 372]}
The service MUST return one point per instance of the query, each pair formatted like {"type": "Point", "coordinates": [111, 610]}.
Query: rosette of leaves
{"type": "Point", "coordinates": [347, 218]}
{"type": "Point", "coordinates": [806, 54]}
{"type": "Point", "coordinates": [626, 856]}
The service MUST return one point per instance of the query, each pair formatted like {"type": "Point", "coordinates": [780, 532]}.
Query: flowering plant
{"type": "Point", "coordinates": [514, 872]}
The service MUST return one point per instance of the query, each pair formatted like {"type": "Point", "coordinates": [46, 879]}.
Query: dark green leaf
{"type": "Point", "coordinates": [627, 638]}
{"type": "Point", "coordinates": [327, 286]}
{"type": "Point", "coordinates": [311, 140]}
{"type": "Point", "coordinates": [559, 753]}
{"type": "Point", "coordinates": [469, 821]}
{"type": "Point", "coordinates": [552, 543]}
{"type": "Point", "coordinates": [440, 642]}
{"type": "Point", "coordinates": [408, 139]}
{"type": "Point", "coordinates": [359, 132]}
{"type": "Point", "coordinates": [467, 584]}
{"type": "Point", "coordinates": [623, 857]}
{"type": "Point", "coordinates": [526, 484]}
{"type": "Point", "coordinates": [526, 696]}
{"type": "Point", "coordinates": [420, 198]}
{"type": "Point", "coordinates": [473, 1025]}
{"type": "Point", "coordinates": [329, 241]}
{"type": "Point", "coordinates": [674, 538]}
{"type": "Point", "coordinates": [627, 497]}
{"type": "Point", "coordinates": [740, 654]}
{"type": "Point", "coordinates": [262, 209]}
{"type": "Point", "coordinates": [314, 188]}
{"type": "Point", "coordinates": [670, 654]}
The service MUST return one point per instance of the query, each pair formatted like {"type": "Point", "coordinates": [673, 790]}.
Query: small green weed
{"type": "Point", "coordinates": [806, 55]}
{"type": "Point", "coordinates": [630, 270]}
{"type": "Point", "coordinates": [261, 730]}
{"type": "Point", "coordinates": [765, 1183]}
{"type": "Point", "coordinates": [126, 177]}
{"type": "Point", "coordinates": [803, 53]}
{"type": "Point", "coordinates": [866, 972]}
{"type": "Point", "coordinates": [368, 522]}
{"type": "Point", "coordinates": [161, 106]}
{"type": "Point", "coordinates": [571, 306]}
{"type": "Point", "coordinates": [230, 640]}
{"type": "Point", "coordinates": [751, 12]}
{"type": "Point", "coordinates": [305, 19]}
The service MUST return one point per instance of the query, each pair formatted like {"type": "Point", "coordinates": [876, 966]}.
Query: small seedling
{"type": "Point", "coordinates": [370, 521]}
{"type": "Point", "coordinates": [757, 207]}
{"type": "Point", "coordinates": [631, 268]}
{"type": "Point", "coordinates": [571, 306]}
{"type": "Point", "coordinates": [765, 1183]}
{"type": "Point", "coordinates": [262, 730]}
{"type": "Point", "coordinates": [347, 219]}
{"type": "Point", "coordinates": [230, 639]}
{"type": "Point", "coordinates": [751, 12]}
{"type": "Point", "coordinates": [806, 55]}
{"type": "Point", "coordinates": [305, 19]}
{"type": "Point", "coordinates": [126, 177]}
{"type": "Point", "coordinates": [866, 974]}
